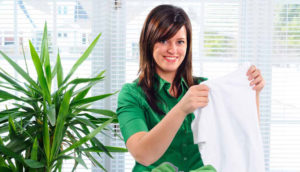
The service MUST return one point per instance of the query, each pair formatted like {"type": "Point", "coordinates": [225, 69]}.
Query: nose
{"type": "Point", "coordinates": [172, 48]}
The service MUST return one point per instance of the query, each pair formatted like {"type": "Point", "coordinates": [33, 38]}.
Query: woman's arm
{"type": "Point", "coordinates": [148, 147]}
{"type": "Point", "coordinates": [257, 105]}
{"type": "Point", "coordinates": [258, 83]}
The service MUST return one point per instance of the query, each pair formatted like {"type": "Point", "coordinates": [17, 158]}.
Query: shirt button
{"type": "Point", "coordinates": [184, 145]}
{"type": "Point", "coordinates": [185, 158]}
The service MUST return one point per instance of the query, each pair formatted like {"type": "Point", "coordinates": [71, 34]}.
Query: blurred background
{"type": "Point", "coordinates": [226, 33]}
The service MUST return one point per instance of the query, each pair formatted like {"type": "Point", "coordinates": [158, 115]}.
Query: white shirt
{"type": "Point", "coordinates": [227, 129]}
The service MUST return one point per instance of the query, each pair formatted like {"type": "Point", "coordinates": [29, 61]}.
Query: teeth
{"type": "Point", "coordinates": [171, 58]}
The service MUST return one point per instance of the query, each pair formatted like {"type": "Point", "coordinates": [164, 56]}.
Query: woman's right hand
{"type": "Point", "coordinates": [195, 97]}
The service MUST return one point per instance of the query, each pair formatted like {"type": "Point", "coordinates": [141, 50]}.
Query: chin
{"type": "Point", "coordinates": [170, 70]}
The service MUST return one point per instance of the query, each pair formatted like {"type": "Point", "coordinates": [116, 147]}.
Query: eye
{"type": "Point", "coordinates": [163, 41]}
{"type": "Point", "coordinates": [181, 42]}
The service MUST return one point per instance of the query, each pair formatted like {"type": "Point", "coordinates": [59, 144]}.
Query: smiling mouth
{"type": "Point", "coordinates": [171, 59]}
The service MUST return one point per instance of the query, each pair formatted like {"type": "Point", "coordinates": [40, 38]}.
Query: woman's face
{"type": "Point", "coordinates": [169, 54]}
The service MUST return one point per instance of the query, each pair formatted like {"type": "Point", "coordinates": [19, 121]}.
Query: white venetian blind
{"type": "Point", "coordinates": [221, 35]}
{"type": "Point", "coordinates": [110, 19]}
{"type": "Point", "coordinates": [69, 29]}
{"type": "Point", "coordinates": [285, 93]}
{"type": "Point", "coordinates": [225, 34]}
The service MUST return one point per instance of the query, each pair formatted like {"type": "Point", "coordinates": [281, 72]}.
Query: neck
{"type": "Point", "coordinates": [170, 78]}
{"type": "Point", "coordinates": [167, 76]}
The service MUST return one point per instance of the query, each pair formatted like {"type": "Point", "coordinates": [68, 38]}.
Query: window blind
{"type": "Point", "coordinates": [109, 18]}
{"type": "Point", "coordinates": [69, 28]}
{"type": "Point", "coordinates": [225, 34]}
{"type": "Point", "coordinates": [285, 107]}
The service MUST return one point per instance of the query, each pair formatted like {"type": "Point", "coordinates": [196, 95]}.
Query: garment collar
{"type": "Point", "coordinates": [163, 83]}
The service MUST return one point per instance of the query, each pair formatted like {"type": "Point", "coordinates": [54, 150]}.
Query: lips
{"type": "Point", "coordinates": [171, 59]}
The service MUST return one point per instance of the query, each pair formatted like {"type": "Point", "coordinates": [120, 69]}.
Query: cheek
{"type": "Point", "coordinates": [182, 51]}
{"type": "Point", "coordinates": [155, 54]}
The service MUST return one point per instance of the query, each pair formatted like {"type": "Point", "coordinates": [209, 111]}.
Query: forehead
{"type": "Point", "coordinates": [181, 33]}
{"type": "Point", "coordinates": [172, 32]}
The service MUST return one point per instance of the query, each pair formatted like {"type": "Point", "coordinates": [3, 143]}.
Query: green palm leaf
{"type": "Point", "coordinates": [34, 151]}
{"type": "Point", "coordinates": [87, 137]}
{"type": "Point", "coordinates": [100, 111]}
{"type": "Point", "coordinates": [51, 113]}
{"type": "Point", "coordinates": [109, 148]}
{"type": "Point", "coordinates": [19, 70]}
{"type": "Point", "coordinates": [90, 99]}
{"type": "Point", "coordinates": [84, 80]}
{"type": "Point", "coordinates": [62, 114]}
{"type": "Point", "coordinates": [13, 83]}
{"type": "Point", "coordinates": [40, 127]}
{"type": "Point", "coordinates": [45, 57]}
{"type": "Point", "coordinates": [40, 73]}
{"type": "Point", "coordinates": [77, 159]}
{"type": "Point", "coordinates": [7, 96]}
{"type": "Point", "coordinates": [82, 92]}
{"type": "Point", "coordinates": [29, 162]}
{"type": "Point", "coordinates": [46, 140]}
{"type": "Point", "coordinates": [82, 58]}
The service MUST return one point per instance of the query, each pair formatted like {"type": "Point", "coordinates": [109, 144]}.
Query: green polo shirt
{"type": "Point", "coordinates": [135, 115]}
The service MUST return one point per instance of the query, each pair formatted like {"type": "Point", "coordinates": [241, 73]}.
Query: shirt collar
{"type": "Point", "coordinates": [163, 82]}
{"type": "Point", "coordinates": [183, 82]}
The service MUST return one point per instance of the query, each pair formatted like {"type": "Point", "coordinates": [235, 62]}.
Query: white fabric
{"type": "Point", "coordinates": [227, 129]}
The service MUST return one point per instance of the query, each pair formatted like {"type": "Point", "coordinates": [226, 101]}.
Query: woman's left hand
{"type": "Point", "coordinates": [257, 81]}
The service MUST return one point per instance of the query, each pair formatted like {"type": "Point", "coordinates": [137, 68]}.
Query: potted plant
{"type": "Point", "coordinates": [42, 127]}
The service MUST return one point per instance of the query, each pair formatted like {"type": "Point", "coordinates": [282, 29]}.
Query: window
{"type": "Point", "coordinates": [83, 40]}
{"type": "Point", "coordinates": [285, 107]}
{"type": "Point", "coordinates": [135, 50]}
{"type": "Point", "coordinates": [225, 34]}
{"type": "Point", "coordinates": [8, 40]}
{"type": "Point", "coordinates": [65, 10]}
{"type": "Point", "coordinates": [59, 9]}
{"type": "Point", "coordinates": [21, 21]}
{"type": "Point", "coordinates": [62, 10]}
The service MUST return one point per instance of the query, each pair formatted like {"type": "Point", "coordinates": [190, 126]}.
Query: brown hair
{"type": "Point", "coordinates": [162, 23]}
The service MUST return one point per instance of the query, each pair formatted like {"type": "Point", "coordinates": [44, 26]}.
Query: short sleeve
{"type": "Point", "coordinates": [198, 80]}
{"type": "Point", "coordinates": [130, 112]}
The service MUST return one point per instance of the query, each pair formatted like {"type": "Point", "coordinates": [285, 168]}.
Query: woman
{"type": "Point", "coordinates": [156, 110]}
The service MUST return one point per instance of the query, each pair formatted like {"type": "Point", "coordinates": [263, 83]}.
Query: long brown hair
{"type": "Point", "coordinates": [162, 23]}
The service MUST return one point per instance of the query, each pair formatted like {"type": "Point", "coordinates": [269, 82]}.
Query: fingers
{"type": "Point", "coordinates": [203, 100]}
{"type": "Point", "coordinates": [251, 70]}
{"type": "Point", "coordinates": [201, 87]}
{"type": "Point", "coordinates": [199, 90]}
{"type": "Point", "coordinates": [254, 75]}
{"type": "Point", "coordinates": [259, 86]}
{"type": "Point", "coordinates": [256, 81]}
{"type": "Point", "coordinates": [202, 104]}
{"type": "Point", "coordinates": [200, 93]}
{"type": "Point", "coordinates": [197, 96]}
